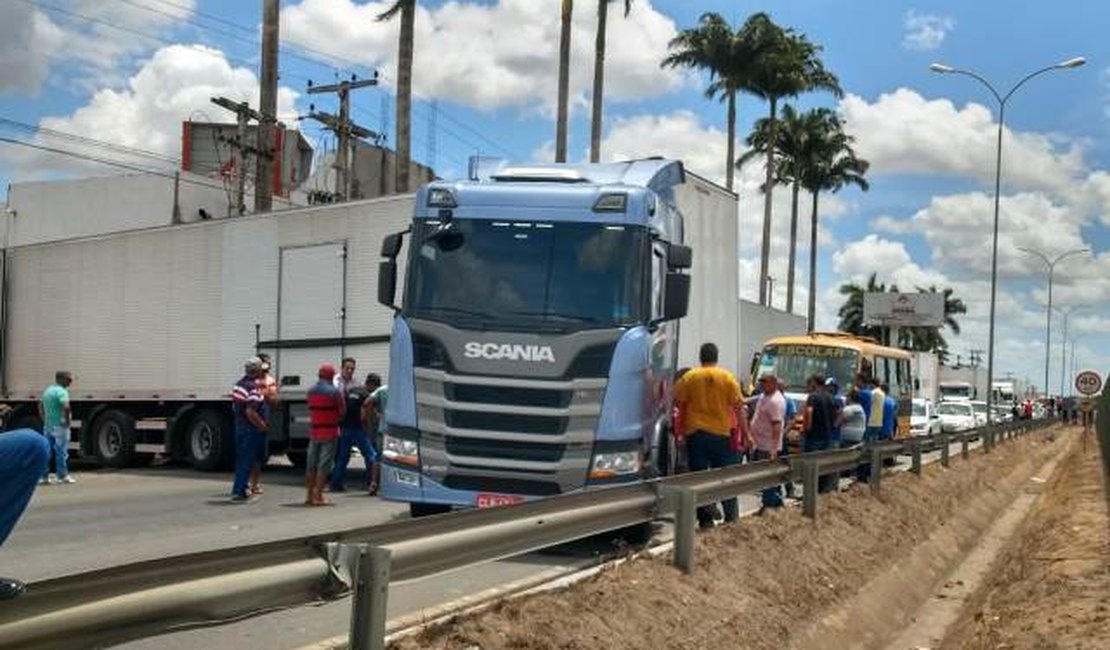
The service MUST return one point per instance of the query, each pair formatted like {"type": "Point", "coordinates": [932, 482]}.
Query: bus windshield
{"type": "Point", "coordinates": [794, 364]}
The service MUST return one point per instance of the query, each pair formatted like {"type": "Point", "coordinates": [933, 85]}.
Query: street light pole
{"type": "Point", "coordinates": [1002, 99]}
{"type": "Point", "coordinates": [1064, 346]}
{"type": "Point", "coordinates": [1051, 265]}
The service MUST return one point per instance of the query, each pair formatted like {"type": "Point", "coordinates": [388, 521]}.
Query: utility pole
{"type": "Point", "coordinates": [343, 127]}
{"type": "Point", "coordinates": [239, 148]}
{"type": "Point", "coordinates": [267, 103]}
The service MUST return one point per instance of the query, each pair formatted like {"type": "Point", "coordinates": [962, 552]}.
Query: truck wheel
{"type": "Point", "coordinates": [209, 441]}
{"type": "Point", "coordinates": [427, 509]}
{"type": "Point", "coordinates": [114, 438]}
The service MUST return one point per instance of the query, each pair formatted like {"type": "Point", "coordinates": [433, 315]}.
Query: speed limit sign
{"type": "Point", "coordinates": [1088, 382]}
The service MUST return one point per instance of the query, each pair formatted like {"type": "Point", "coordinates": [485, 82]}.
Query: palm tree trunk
{"type": "Point", "coordinates": [404, 97]}
{"type": "Point", "coordinates": [564, 83]}
{"type": "Point", "coordinates": [793, 246]}
{"type": "Point", "coordinates": [599, 80]}
{"type": "Point", "coordinates": [765, 249]}
{"type": "Point", "coordinates": [812, 311]}
{"type": "Point", "coordinates": [730, 167]}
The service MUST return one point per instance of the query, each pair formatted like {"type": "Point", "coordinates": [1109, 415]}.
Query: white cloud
{"type": "Point", "coordinates": [493, 55]}
{"type": "Point", "coordinates": [28, 38]}
{"type": "Point", "coordinates": [168, 89]}
{"type": "Point", "coordinates": [925, 31]}
{"type": "Point", "coordinates": [902, 132]}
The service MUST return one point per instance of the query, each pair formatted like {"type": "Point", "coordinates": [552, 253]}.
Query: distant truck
{"type": "Point", "coordinates": [956, 391]}
{"type": "Point", "coordinates": [156, 322]}
{"type": "Point", "coordinates": [1005, 393]}
{"type": "Point", "coordinates": [537, 334]}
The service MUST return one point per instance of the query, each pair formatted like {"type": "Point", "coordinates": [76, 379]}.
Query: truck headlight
{"type": "Point", "coordinates": [401, 450]}
{"type": "Point", "coordinates": [617, 463]}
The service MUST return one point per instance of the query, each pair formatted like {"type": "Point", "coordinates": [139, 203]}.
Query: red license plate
{"type": "Point", "coordinates": [488, 500]}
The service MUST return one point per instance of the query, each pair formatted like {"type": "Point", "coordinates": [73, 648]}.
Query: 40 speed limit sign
{"type": "Point", "coordinates": [1088, 382]}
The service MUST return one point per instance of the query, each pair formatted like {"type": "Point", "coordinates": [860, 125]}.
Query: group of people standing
{"type": "Point", "coordinates": [718, 427]}
{"type": "Point", "coordinates": [344, 414]}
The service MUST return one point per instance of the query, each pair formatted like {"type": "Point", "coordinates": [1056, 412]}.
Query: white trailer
{"type": "Point", "coordinates": [711, 231]}
{"type": "Point", "coordinates": [155, 323]}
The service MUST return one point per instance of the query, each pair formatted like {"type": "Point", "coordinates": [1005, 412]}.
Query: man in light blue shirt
{"type": "Point", "coordinates": [55, 413]}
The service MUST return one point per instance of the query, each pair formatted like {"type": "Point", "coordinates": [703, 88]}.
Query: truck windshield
{"type": "Point", "coordinates": [570, 276]}
{"type": "Point", "coordinates": [955, 391]}
{"type": "Point", "coordinates": [794, 364]}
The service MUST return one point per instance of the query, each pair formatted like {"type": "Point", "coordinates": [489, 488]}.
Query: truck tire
{"type": "Point", "coordinates": [417, 510]}
{"type": "Point", "coordinates": [113, 436]}
{"type": "Point", "coordinates": [209, 441]}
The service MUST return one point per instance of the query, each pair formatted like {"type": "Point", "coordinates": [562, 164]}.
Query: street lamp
{"type": "Point", "coordinates": [1064, 346]}
{"type": "Point", "coordinates": [1051, 265]}
{"type": "Point", "coordinates": [1002, 99]}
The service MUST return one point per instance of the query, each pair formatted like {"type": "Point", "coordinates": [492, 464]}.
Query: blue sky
{"type": "Point", "coordinates": [128, 72]}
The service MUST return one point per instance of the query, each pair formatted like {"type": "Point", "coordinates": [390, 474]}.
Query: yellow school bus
{"type": "Point", "coordinates": [843, 356]}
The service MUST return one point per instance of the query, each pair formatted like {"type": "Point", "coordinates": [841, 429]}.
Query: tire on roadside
{"type": "Point", "coordinates": [209, 441]}
{"type": "Point", "coordinates": [113, 438]}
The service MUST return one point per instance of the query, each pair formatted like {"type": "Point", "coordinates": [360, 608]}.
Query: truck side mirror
{"type": "Point", "coordinates": [679, 257]}
{"type": "Point", "coordinates": [387, 282]}
{"type": "Point", "coordinates": [676, 301]}
{"type": "Point", "coordinates": [391, 245]}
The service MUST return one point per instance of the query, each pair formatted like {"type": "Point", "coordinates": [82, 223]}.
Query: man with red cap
{"type": "Point", "coordinates": [326, 407]}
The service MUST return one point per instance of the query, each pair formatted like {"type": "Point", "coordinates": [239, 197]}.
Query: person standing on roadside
{"type": "Point", "coordinates": [326, 409]}
{"type": "Point", "coordinates": [354, 433]}
{"type": "Point", "coordinates": [372, 423]}
{"type": "Point", "coordinates": [767, 433]}
{"type": "Point", "coordinates": [818, 420]}
{"type": "Point", "coordinates": [708, 396]}
{"type": "Point", "coordinates": [24, 458]}
{"type": "Point", "coordinates": [55, 413]}
{"type": "Point", "coordinates": [375, 406]}
{"type": "Point", "coordinates": [875, 415]}
{"type": "Point", "coordinates": [853, 420]}
{"type": "Point", "coordinates": [890, 414]}
{"type": "Point", "coordinates": [252, 427]}
{"type": "Point", "coordinates": [839, 402]}
{"type": "Point", "coordinates": [267, 383]}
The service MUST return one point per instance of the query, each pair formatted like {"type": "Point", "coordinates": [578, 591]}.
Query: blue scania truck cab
{"type": "Point", "coordinates": [535, 341]}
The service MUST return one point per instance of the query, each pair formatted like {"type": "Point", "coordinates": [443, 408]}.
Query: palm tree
{"type": "Point", "coordinates": [564, 82]}
{"type": "Point", "coordinates": [798, 148]}
{"type": "Point", "coordinates": [922, 339]}
{"type": "Point", "coordinates": [599, 75]}
{"type": "Point", "coordinates": [832, 167]}
{"type": "Point", "coordinates": [851, 312]}
{"type": "Point", "coordinates": [728, 56]}
{"type": "Point", "coordinates": [407, 9]}
{"type": "Point", "coordinates": [788, 66]}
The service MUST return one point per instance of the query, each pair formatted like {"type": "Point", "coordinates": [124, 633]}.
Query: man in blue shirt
{"type": "Point", "coordinates": [890, 414]}
{"type": "Point", "coordinates": [24, 457]}
{"type": "Point", "coordinates": [252, 416]}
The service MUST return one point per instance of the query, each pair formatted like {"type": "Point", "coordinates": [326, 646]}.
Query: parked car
{"type": "Point", "coordinates": [924, 420]}
{"type": "Point", "coordinates": [980, 409]}
{"type": "Point", "coordinates": [956, 416]}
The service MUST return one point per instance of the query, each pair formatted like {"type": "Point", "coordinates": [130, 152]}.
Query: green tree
{"type": "Point", "coordinates": [800, 144]}
{"type": "Point", "coordinates": [851, 312]}
{"type": "Point", "coordinates": [407, 10]}
{"type": "Point", "coordinates": [729, 57]}
{"type": "Point", "coordinates": [788, 65]}
{"type": "Point", "coordinates": [599, 75]}
{"type": "Point", "coordinates": [832, 166]}
{"type": "Point", "coordinates": [565, 16]}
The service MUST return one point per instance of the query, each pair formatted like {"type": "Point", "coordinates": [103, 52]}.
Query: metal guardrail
{"type": "Point", "coordinates": [148, 598]}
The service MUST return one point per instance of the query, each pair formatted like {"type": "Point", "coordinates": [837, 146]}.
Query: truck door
{"type": "Point", "coordinates": [311, 312]}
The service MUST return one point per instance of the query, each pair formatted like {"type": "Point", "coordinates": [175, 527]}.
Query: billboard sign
{"type": "Point", "coordinates": [903, 309]}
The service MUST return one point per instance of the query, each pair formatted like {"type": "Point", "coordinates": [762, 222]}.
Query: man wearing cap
{"type": "Point", "coordinates": [767, 430]}
{"type": "Point", "coordinates": [252, 427]}
{"type": "Point", "coordinates": [326, 408]}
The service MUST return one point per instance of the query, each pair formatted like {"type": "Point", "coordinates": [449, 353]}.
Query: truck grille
{"type": "Point", "coordinates": [535, 424]}
{"type": "Point", "coordinates": [527, 451]}
{"type": "Point", "coordinates": [507, 395]}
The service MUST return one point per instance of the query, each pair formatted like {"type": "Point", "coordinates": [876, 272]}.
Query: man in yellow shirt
{"type": "Point", "coordinates": [709, 398]}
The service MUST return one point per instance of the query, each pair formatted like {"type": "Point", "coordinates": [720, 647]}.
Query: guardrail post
{"type": "Point", "coordinates": [945, 442]}
{"type": "Point", "coordinates": [915, 454]}
{"type": "Point", "coordinates": [964, 452]}
{"type": "Point", "coordinates": [369, 596]}
{"type": "Point", "coordinates": [987, 434]}
{"type": "Point", "coordinates": [683, 503]}
{"type": "Point", "coordinates": [876, 470]}
{"type": "Point", "coordinates": [811, 473]}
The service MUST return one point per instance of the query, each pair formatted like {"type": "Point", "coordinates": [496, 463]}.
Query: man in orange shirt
{"type": "Point", "coordinates": [708, 396]}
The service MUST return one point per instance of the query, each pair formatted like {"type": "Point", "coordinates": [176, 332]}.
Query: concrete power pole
{"type": "Point", "coordinates": [239, 148]}
{"type": "Point", "coordinates": [267, 104]}
{"type": "Point", "coordinates": [344, 129]}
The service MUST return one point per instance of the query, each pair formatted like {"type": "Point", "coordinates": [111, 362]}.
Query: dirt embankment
{"type": "Point", "coordinates": [1051, 586]}
{"type": "Point", "coordinates": [761, 583]}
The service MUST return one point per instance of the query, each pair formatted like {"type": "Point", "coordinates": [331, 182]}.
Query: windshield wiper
{"type": "Point", "coordinates": [453, 310]}
{"type": "Point", "coordinates": [548, 314]}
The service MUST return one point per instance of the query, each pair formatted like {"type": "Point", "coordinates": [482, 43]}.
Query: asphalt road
{"type": "Point", "coordinates": [112, 517]}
